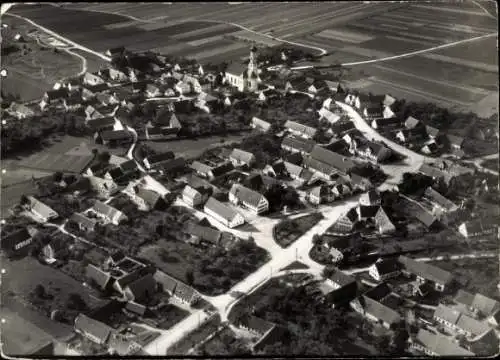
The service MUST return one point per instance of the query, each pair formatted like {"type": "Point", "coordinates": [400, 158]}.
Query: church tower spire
{"type": "Point", "coordinates": [252, 63]}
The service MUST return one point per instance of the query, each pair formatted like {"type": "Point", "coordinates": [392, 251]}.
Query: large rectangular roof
{"type": "Point", "coordinates": [57, 162]}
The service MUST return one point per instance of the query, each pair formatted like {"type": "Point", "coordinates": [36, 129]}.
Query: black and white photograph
{"type": "Point", "coordinates": [249, 179]}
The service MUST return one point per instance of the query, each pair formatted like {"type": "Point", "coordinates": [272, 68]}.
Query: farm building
{"type": "Point", "coordinates": [250, 199]}
{"type": "Point", "coordinates": [223, 213]}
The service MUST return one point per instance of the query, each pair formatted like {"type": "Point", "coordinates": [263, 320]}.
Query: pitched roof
{"type": "Point", "coordinates": [341, 278]}
{"type": "Point", "coordinates": [149, 196]}
{"type": "Point", "coordinates": [382, 219]}
{"type": "Point", "coordinates": [261, 123]}
{"type": "Point", "coordinates": [204, 232]}
{"type": "Point", "coordinates": [105, 209]}
{"type": "Point", "coordinates": [167, 282]}
{"type": "Point", "coordinates": [297, 143]}
{"type": "Point", "coordinates": [200, 167]}
{"type": "Point", "coordinates": [387, 266]}
{"type": "Point", "coordinates": [411, 122]}
{"type": "Point", "coordinates": [101, 277]}
{"type": "Point", "coordinates": [331, 158]}
{"type": "Point", "coordinates": [143, 286]}
{"type": "Point", "coordinates": [157, 158]}
{"type": "Point", "coordinates": [378, 292]}
{"type": "Point", "coordinates": [440, 344]}
{"type": "Point", "coordinates": [96, 328]}
{"type": "Point", "coordinates": [432, 131]}
{"type": "Point", "coordinates": [388, 100]}
{"type": "Point", "coordinates": [190, 192]}
{"type": "Point", "coordinates": [241, 155]}
{"type": "Point", "coordinates": [184, 291]}
{"type": "Point", "coordinates": [455, 140]}
{"type": "Point", "coordinates": [81, 219]}
{"type": "Point", "coordinates": [475, 327]}
{"type": "Point", "coordinates": [60, 93]}
{"type": "Point", "coordinates": [136, 307]}
{"type": "Point", "coordinates": [221, 209]}
{"type": "Point", "coordinates": [380, 311]}
{"type": "Point", "coordinates": [478, 301]}
{"type": "Point", "coordinates": [108, 135]}
{"type": "Point", "coordinates": [57, 162]}
{"type": "Point", "coordinates": [424, 217]}
{"type": "Point", "coordinates": [246, 195]}
{"type": "Point", "coordinates": [367, 211]}
{"type": "Point", "coordinates": [222, 169]}
{"type": "Point", "coordinates": [370, 197]}
{"type": "Point", "coordinates": [99, 123]}
{"type": "Point", "coordinates": [328, 115]}
{"type": "Point", "coordinates": [8, 242]}
{"type": "Point", "coordinates": [40, 208]}
{"type": "Point", "coordinates": [256, 324]}
{"type": "Point", "coordinates": [439, 199]}
{"type": "Point", "coordinates": [388, 121]}
{"type": "Point", "coordinates": [236, 68]}
{"type": "Point", "coordinates": [426, 271]}
{"type": "Point", "coordinates": [304, 129]}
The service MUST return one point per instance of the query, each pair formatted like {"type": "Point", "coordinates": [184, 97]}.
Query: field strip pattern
{"type": "Point", "coordinates": [205, 40]}
{"type": "Point", "coordinates": [440, 82]}
{"type": "Point", "coordinates": [203, 31]}
{"type": "Point", "coordinates": [439, 8]}
{"type": "Point", "coordinates": [469, 63]}
{"type": "Point", "coordinates": [344, 35]}
{"type": "Point", "coordinates": [218, 51]}
{"type": "Point", "coordinates": [122, 25]}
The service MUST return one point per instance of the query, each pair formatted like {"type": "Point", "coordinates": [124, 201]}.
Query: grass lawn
{"type": "Point", "coordinates": [476, 275]}
{"type": "Point", "coordinates": [287, 231]}
{"type": "Point", "coordinates": [200, 334]}
{"type": "Point", "coordinates": [27, 273]}
{"type": "Point", "coordinates": [173, 315]}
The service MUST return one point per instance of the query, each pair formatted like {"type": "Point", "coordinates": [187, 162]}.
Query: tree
{"type": "Point", "coordinates": [104, 157]}
{"type": "Point", "coordinates": [39, 291]}
{"type": "Point", "coordinates": [189, 277]}
{"type": "Point", "coordinates": [76, 302]}
{"type": "Point", "coordinates": [57, 176]}
{"type": "Point", "coordinates": [316, 240]}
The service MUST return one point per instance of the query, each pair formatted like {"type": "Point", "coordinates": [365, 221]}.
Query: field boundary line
{"type": "Point", "coordinates": [420, 51]}
{"type": "Point", "coordinates": [60, 37]}
{"type": "Point", "coordinates": [486, 11]}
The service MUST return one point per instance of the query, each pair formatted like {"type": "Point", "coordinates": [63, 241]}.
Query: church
{"type": "Point", "coordinates": [245, 78]}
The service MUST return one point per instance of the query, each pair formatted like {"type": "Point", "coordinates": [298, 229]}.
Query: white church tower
{"type": "Point", "coordinates": [253, 72]}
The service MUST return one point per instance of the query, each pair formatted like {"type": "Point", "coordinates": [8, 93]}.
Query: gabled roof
{"type": "Point", "coordinates": [370, 197]}
{"type": "Point", "coordinates": [382, 219]}
{"type": "Point", "coordinates": [236, 68]}
{"type": "Point", "coordinates": [328, 115]}
{"type": "Point", "coordinates": [367, 211]}
{"type": "Point", "coordinates": [411, 122]}
{"type": "Point", "coordinates": [342, 127]}
{"type": "Point", "coordinates": [256, 324]}
{"type": "Point", "coordinates": [167, 282]}
{"type": "Point", "coordinates": [137, 308]}
{"type": "Point", "coordinates": [149, 196]}
{"type": "Point", "coordinates": [426, 271]}
{"type": "Point", "coordinates": [387, 266]}
{"type": "Point", "coordinates": [108, 135]}
{"type": "Point", "coordinates": [40, 208]}
{"type": "Point", "coordinates": [388, 121]}
{"type": "Point", "coordinates": [432, 131]}
{"type": "Point", "coordinates": [190, 192]}
{"type": "Point", "coordinates": [439, 199]}
{"type": "Point", "coordinates": [440, 344]}
{"type": "Point", "coordinates": [331, 158]}
{"type": "Point", "coordinates": [204, 232]}
{"type": "Point", "coordinates": [374, 110]}
{"type": "Point", "coordinates": [222, 169]}
{"type": "Point", "coordinates": [378, 292]}
{"type": "Point", "coordinates": [61, 93]}
{"type": "Point", "coordinates": [158, 158]}
{"type": "Point", "coordinates": [304, 129]}
{"type": "Point", "coordinates": [101, 278]}
{"type": "Point", "coordinates": [478, 301]}
{"type": "Point", "coordinates": [479, 225]}
{"type": "Point", "coordinates": [184, 291]}
{"type": "Point", "coordinates": [261, 123]}
{"type": "Point", "coordinates": [9, 241]}
{"type": "Point", "coordinates": [143, 286]}
{"type": "Point", "coordinates": [221, 209]}
{"type": "Point", "coordinates": [200, 167]}
{"type": "Point", "coordinates": [425, 217]}
{"type": "Point", "coordinates": [297, 143]}
{"type": "Point", "coordinates": [388, 100]}
{"type": "Point", "coordinates": [81, 219]}
{"type": "Point", "coordinates": [241, 155]}
{"type": "Point", "coordinates": [455, 140]}
{"type": "Point", "coordinates": [341, 278]}
{"type": "Point", "coordinates": [88, 325]}
{"type": "Point", "coordinates": [380, 311]}
{"type": "Point", "coordinates": [105, 209]}
{"type": "Point", "coordinates": [99, 123]}
{"type": "Point", "coordinates": [246, 195]}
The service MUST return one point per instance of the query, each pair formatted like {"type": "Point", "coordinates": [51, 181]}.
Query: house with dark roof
{"type": "Point", "coordinates": [15, 242]}
{"type": "Point", "coordinates": [325, 162]}
{"type": "Point", "coordinates": [223, 213]}
{"type": "Point", "coordinates": [386, 123]}
{"type": "Point", "coordinates": [54, 97]}
{"type": "Point", "coordinates": [373, 151]}
{"type": "Point", "coordinates": [384, 269]}
{"type": "Point", "coordinates": [192, 197]}
{"type": "Point", "coordinates": [424, 272]}
{"type": "Point", "coordinates": [426, 218]}
{"type": "Point", "coordinates": [435, 344]}
{"type": "Point", "coordinates": [432, 132]}
{"type": "Point", "coordinates": [375, 311]}
{"type": "Point", "coordinates": [203, 234]}
{"type": "Point", "coordinates": [147, 199]}
{"type": "Point", "coordinates": [39, 209]}
{"type": "Point", "coordinates": [440, 203]}
{"type": "Point", "coordinates": [93, 330]}
{"type": "Point", "coordinates": [141, 289]}
{"type": "Point", "coordinates": [108, 213]}
{"type": "Point", "coordinates": [455, 142]}
{"type": "Point", "coordinates": [150, 162]}
{"type": "Point", "coordinates": [298, 172]}
{"type": "Point", "coordinates": [101, 124]}
{"type": "Point", "coordinates": [240, 157]}
{"type": "Point", "coordinates": [82, 222]}
{"type": "Point", "coordinates": [459, 322]}
{"type": "Point", "coordinates": [413, 135]}
{"type": "Point", "coordinates": [301, 130]}
{"type": "Point", "coordinates": [370, 198]}
{"type": "Point", "coordinates": [104, 187]}
{"type": "Point", "coordinates": [254, 325]}
{"type": "Point", "coordinates": [276, 169]}
{"type": "Point", "coordinates": [430, 148]}
{"type": "Point", "coordinates": [114, 137]}
{"type": "Point", "coordinates": [252, 200]}
{"type": "Point", "coordinates": [202, 169]}
{"type": "Point", "coordinates": [373, 112]}
{"type": "Point", "coordinates": [297, 144]}
{"type": "Point", "coordinates": [477, 227]}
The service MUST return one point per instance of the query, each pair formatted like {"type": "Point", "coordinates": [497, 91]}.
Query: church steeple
{"type": "Point", "coordinates": [252, 63]}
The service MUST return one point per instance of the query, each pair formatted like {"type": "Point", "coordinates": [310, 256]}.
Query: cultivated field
{"type": "Point", "coordinates": [458, 77]}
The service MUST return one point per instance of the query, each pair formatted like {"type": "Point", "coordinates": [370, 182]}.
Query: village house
{"type": "Point", "coordinates": [459, 322]}
{"type": "Point", "coordinates": [152, 91]}
{"type": "Point", "coordinates": [101, 124]}
{"type": "Point", "coordinates": [478, 227]}
{"type": "Point", "coordinates": [383, 222]}
{"type": "Point", "coordinates": [297, 144]}
{"type": "Point", "coordinates": [366, 212]}
{"type": "Point", "coordinates": [326, 163]}
{"type": "Point", "coordinates": [260, 124]}
{"type": "Point", "coordinates": [339, 129]}
{"type": "Point", "coordinates": [435, 344]}
{"type": "Point", "coordinates": [430, 148]}
{"type": "Point", "coordinates": [153, 161]}
{"type": "Point", "coordinates": [93, 330]}
{"type": "Point", "coordinates": [113, 74]}
{"type": "Point", "coordinates": [254, 325]}
{"type": "Point", "coordinates": [245, 78]}
{"type": "Point", "coordinates": [412, 123]}
{"type": "Point", "coordinates": [478, 305]}
{"type": "Point", "coordinates": [92, 113]}
{"type": "Point", "coordinates": [99, 278]}
{"type": "Point", "coordinates": [384, 269]}
{"type": "Point", "coordinates": [439, 202]}
{"type": "Point", "coordinates": [411, 135]}
{"type": "Point", "coordinates": [147, 199]}
{"type": "Point", "coordinates": [104, 187]}
{"type": "Point", "coordinates": [327, 115]}
{"type": "Point", "coordinates": [252, 200]}
{"type": "Point", "coordinates": [164, 120]}
{"type": "Point", "coordinates": [73, 103]}
{"type": "Point", "coordinates": [424, 272]}
{"type": "Point", "coordinates": [192, 197]}
{"type": "Point", "coordinates": [344, 288]}
{"type": "Point", "coordinates": [297, 172]}
{"type": "Point", "coordinates": [370, 198]}
{"type": "Point", "coordinates": [92, 79]}
{"type": "Point", "coordinates": [373, 112]}
{"type": "Point", "coordinates": [455, 142]}
{"type": "Point", "coordinates": [239, 157]}
{"type": "Point", "coordinates": [141, 289]}
{"type": "Point", "coordinates": [320, 195]}
{"type": "Point", "coordinates": [432, 132]}
{"type": "Point", "coordinates": [223, 213]}
{"type": "Point", "coordinates": [373, 151]}
{"type": "Point", "coordinates": [108, 213]}
{"type": "Point", "coordinates": [301, 130]}
{"type": "Point", "coordinates": [205, 235]}
{"type": "Point", "coordinates": [53, 97]}
{"type": "Point", "coordinates": [347, 222]}
{"type": "Point", "coordinates": [15, 242]}
{"type": "Point", "coordinates": [375, 311]}
{"type": "Point", "coordinates": [115, 52]}
{"type": "Point", "coordinates": [114, 138]}
{"type": "Point", "coordinates": [82, 222]}
{"type": "Point", "coordinates": [177, 289]}
{"type": "Point", "coordinates": [39, 209]}
{"type": "Point", "coordinates": [105, 99]}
